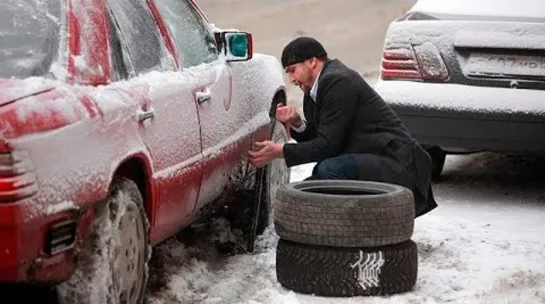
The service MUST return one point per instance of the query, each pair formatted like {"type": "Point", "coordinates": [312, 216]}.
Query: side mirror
{"type": "Point", "coordinates": [237, 46]}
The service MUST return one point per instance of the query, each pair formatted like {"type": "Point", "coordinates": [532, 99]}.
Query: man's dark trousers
{"type": "Point", "coordinates": [340, 167]}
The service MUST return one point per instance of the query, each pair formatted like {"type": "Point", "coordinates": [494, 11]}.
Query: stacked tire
{"type": "Point", "coordinates": [345, 238]}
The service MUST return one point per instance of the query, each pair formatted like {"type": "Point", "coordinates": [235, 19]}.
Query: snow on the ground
{"type": "Point", "coordinates": [485, 243]}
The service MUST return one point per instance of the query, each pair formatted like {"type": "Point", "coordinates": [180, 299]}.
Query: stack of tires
{"type": "Point", "coordinates": [345, 238]}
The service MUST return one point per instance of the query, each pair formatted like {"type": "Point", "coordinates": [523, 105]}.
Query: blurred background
{"type": "Point", "coordinates": [351, 30]}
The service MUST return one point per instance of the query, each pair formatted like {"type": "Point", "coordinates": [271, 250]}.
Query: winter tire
{"type": "Point", "coordinates": [277, 174]}
{"type": "Point", "coordinates": [112, 268]}
{"type": "Point", "coordinates": [344, 213]}
{"type": "Point", "coordinates": [347, 272]}
{"type": "Point", "coordinates": [239, 207]}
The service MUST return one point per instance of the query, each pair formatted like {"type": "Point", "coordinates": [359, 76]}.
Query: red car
{"type": "Point", "coordinates": [121, 122]}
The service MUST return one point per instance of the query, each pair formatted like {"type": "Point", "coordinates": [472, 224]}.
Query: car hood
{"type": "Point", "coordinates": [493, 10]}
{"type": "Point", "coordinates": [34, 105]}
{"type": "Point", "coordinates": [15, 89]}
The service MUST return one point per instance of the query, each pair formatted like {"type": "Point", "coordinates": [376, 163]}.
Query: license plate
{"type": "Point", "coordinates": [499, 64]}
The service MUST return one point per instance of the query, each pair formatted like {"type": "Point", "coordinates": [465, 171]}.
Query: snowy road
{"type": "Point", "coordinates": [484, 244]}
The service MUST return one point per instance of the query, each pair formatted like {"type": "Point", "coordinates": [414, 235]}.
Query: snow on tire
{"type": "Point", "coordinates": [344, 213]}
{"type": "Point", "coordinates": [347, 271]}
{"type": "Point", "coordinates": [113, 266]}
{"type": "Point", "coordinates": [277, 174]}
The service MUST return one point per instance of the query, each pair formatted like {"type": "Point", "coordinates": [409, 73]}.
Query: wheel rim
{"type": "Point", "coordinates": [129, 255]}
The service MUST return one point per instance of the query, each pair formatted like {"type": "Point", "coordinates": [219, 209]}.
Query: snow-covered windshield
{"type": "Point", "coordinates": [29, 36]}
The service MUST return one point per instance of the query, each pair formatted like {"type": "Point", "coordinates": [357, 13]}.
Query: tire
{"type": "Point", "coordinates": [310, 212]}
{"type": "Point", "coordinates": [277, 174]}
{"type": "Point", "coordinates": [335, 271]}
{"type": "Point", "coordinates": [112, 267]}
{"type": "Point", "coordinates": [239, 207]}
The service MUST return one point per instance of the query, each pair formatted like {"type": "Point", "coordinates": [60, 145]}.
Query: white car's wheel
{"type": "Point", "coordinates": [112, 268]}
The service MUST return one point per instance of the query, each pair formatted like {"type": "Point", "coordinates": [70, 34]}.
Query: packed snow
{"type": "Point", "coordinates": [483, 244]}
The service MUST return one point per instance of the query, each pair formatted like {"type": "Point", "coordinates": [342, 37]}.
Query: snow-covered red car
{"type": "Point", "coordinates": [468, 76]}
{"type": "Point", "coordinates": [121, 122]}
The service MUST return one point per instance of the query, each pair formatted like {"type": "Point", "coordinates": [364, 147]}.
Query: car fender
{"type": "Point", "coordinates": [257, 81]}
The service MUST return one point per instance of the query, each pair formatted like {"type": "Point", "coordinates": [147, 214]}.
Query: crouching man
{"type": "Point", "coordinates": [347, 128]}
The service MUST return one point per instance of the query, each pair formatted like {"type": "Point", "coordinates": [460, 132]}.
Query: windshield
{"type": "Point", "coordinates": [29, 37]}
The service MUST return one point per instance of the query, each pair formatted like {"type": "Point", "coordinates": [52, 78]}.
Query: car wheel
{"type": "Point", "coordinates": [438, 157]}
{"type": "Point", "coordinates": [277, 174]}
{"type": "Point", "coordinates": [344, 213]}
{"type": "Point", "coordinates": [112, 267]}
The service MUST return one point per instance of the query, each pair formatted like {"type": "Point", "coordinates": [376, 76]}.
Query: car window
{"type": "Point", "coordinates": [140, 33]}
{"type": "Point", "coordinates": [118, 68]}
{"type": "Point", "coordinates": [29, 36]}
{"type": "Point", "coordinates": [193, 41]}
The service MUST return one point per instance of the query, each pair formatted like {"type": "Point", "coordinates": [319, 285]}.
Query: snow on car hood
{"type": "Point", "coordinates": [521, 9]}
{"type": "Point", "coordinates": [14, 89]}
{"type": "Point", "coordinates": [37, 104]}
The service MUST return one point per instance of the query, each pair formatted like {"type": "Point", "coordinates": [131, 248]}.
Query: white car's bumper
{"type": "Point", "coordinates": [469, 117]}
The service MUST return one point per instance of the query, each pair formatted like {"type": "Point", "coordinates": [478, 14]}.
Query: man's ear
{"type": "Point", "coordinates": [312, 62]}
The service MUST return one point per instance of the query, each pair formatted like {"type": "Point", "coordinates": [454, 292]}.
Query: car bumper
{"type": "Point", "coordinates": [469, 118]}
{"type": "Point", "coordinates": [27, 243]}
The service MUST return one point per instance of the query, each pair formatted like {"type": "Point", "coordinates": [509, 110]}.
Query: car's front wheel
{"type": "Point", "coordinates": [277, 174]}
{"type": "Point", "coordinates": [112, 268]}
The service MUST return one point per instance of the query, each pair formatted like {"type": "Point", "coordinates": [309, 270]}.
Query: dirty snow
{"type": "Point", "coordinates": [484, 244]}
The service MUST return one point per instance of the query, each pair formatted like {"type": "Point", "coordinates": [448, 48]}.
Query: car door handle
{"type": "Point", "coordinates": [203, 96]}
{"type": "Point", "coordinates": [144, 114]}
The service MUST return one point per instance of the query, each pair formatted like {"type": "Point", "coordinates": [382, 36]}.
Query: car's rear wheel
{"type": "Point", "coordinates": [112, 268]}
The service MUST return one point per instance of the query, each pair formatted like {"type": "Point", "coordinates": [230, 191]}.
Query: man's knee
{"type": "Point", "coordinates": [342, 167]}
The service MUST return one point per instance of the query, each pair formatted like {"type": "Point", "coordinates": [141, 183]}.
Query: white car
{"type": "Point", "coordinates": [468, 76]}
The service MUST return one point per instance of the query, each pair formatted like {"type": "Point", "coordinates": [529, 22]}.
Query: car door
{"type": "Point", "coordinates": [167, 116]}
{"type": "Point", "coordinates": [220, 117]}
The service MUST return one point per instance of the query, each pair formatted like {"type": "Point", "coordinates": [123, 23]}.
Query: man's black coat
{"type": "Point", "coordinates": [349, 117]}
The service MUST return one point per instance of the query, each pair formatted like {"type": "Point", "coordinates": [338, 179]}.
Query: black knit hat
{"type": "Point", "coordinates": [301, 49]}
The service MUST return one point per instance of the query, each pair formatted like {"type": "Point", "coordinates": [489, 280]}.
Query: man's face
{"type": "Point", "coordinates": [301, 74]}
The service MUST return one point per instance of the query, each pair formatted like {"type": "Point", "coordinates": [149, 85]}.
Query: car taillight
{"type": "Point", "coordinates": [423, 62]}
{"type": "Point", "coordinates": [17, 177]}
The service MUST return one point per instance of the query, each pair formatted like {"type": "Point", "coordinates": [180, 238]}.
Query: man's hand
{"type": "Point", "coordinates": [288, 115]}
{"type": "Point", "coordinates": [266, 153]}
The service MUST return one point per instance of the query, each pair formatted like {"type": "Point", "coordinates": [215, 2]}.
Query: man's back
{"type": "Point", "coordinates": [373, 124]}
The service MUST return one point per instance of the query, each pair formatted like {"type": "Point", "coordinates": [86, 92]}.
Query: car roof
{"type": "Point", "coordinates": [483, 8]}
